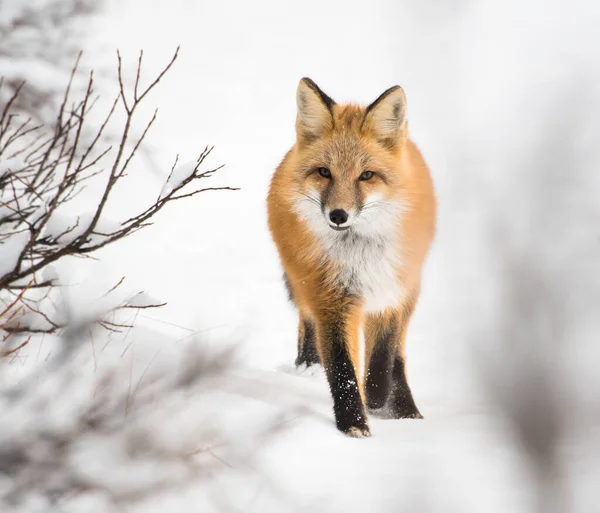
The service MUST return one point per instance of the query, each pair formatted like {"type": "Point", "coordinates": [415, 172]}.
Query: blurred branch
{"type": "Point", "coordinates": [38, 40]}
{"type": "Point", "coordinates": [102, 443]}
{"type": "Point", "coordinates": [546, 266]}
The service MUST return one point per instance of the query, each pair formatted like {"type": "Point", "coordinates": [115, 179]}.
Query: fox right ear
{"type": "Point", "coordinates": [315, 111]}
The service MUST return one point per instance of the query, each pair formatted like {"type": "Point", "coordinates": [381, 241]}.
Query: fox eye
{"type": "Point", "coordinates": [366, 175]}
{"type": "Point", "coordinates": [324, 172]}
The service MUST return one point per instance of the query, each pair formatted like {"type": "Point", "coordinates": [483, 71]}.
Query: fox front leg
{"type": "Point", "coordinates": [338, 344]}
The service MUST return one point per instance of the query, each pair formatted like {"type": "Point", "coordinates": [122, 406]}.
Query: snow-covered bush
{"type": "Point", "coordinates": [41, 175]}
{"type": "Point", "coordinates": [39, 39]}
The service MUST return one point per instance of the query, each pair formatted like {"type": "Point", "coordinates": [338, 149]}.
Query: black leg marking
{"type": "Point", "coordinates": [307, 347]}
{"type": "Point", "coordinates": [288, 287]}
{"type": "Point", "coordinates": [350, 416]}
{"type": "Point", "coordinates": [403, 405]}
{"type": "Point", "coordinates": [379, 376]}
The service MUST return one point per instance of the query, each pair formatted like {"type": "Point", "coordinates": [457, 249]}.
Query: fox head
{"type": "Point", "coordinates": [348, 175]}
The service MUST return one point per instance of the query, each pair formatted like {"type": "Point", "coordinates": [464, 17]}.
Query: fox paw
{"type": "Point", "coordinates": [407, 415]}
{"type": "Point", "coordinates": [357, 432]}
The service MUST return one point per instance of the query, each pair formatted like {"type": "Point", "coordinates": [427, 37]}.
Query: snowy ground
{"type": "Point", "coordinates": [482, 80]}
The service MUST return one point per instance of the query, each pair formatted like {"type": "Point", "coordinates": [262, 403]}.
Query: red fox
{"type": "Point", "coordinates": [352, 212]}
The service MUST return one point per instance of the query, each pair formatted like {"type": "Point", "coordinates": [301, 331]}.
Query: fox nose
{"type": "Point", "coordinates": [338, 216]}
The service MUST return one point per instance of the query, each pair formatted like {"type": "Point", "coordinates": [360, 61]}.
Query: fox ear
{"type": "Point", "coordinates": [386, 116]}
{"type": "Point", "coordinates": [315, 111]}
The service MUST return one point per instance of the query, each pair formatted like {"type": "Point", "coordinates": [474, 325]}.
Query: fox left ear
{"type": "Point", "coordinates": [386, 116]}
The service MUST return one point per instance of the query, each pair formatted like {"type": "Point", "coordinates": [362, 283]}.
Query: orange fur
{"type": "Point", "coordinates": [347, 140]}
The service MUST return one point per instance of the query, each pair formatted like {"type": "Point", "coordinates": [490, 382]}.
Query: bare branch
{"type": "Point", "coordinates": [54, 170]}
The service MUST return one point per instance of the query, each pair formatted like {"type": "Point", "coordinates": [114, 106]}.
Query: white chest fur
{"type": "Point", "coordinates": [367, 267]}
{"type": "Point", "coordinates": [366, 257]}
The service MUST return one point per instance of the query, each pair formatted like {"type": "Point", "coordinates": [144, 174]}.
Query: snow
{"type": "Point", "coordinates": [11, 249]}
{"type": "Point", "coordinates": [34, 71]}
{"type": "Point", "coordinates": [142, 300]}
{"type": "Point", "coordinates": [8, 165]}
{"type": "Point", "coordinates": [497, 93]}
{"type": "Point", "coordinates": [66, 227]}
{"type": "Point", "coordinates": [180, 173]}
{"type": "Point", "coordinates": [44, 61]}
